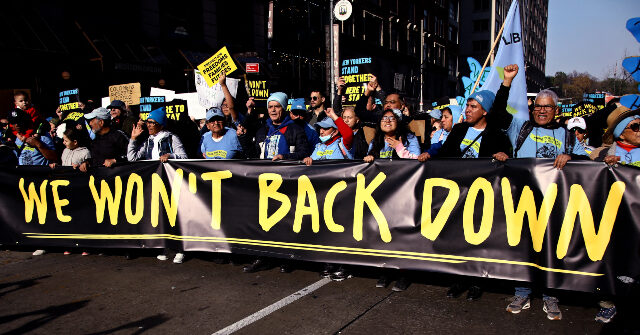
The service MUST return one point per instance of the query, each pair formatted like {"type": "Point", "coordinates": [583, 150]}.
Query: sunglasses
{"type": "Point", "coordinates": [314, 98]}
{"type": "Point", "coordinates": [4, 124]}
{"type": "Point", "coordinates": [635, 127]}
{"type": "Point", "coordinates": [580, 130]}
{"type": "Point", "coordinates": [151, 122]}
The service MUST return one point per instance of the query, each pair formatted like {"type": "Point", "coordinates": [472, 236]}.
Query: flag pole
{"type": "Point", "coordinates": [488, 56]}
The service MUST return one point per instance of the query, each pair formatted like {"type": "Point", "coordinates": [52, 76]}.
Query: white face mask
{"type": "Point", "coordinates": [324, 138]}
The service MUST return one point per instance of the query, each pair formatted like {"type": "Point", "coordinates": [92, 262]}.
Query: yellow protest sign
{"type": "Point", "coordinates": [129, 93]}
{"type": "Point", "coordinates": [212, 67]}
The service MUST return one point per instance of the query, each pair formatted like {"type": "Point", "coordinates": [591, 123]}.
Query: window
{"type": "Point", "coordinates": [373, 32]}
{"type": "Point", "coordinates": [480, 45]}
{"type": "Point", "coordinates": [480, 25]}
{"type": "Point", "coordinates": [481, 5]}
{"type": "Point", "coordinates": [453, 11]}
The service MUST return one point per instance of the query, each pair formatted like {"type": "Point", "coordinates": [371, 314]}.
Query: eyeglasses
{"type": "Point", "coordinates": [314, 98]}
{"type": "Point", "coordinates": [546, 108]}
{"type": "Point", "coordinates": [388, 118]}
{"type": "Point", "coordinates": [635, 127]}
{"type": "Point", "coordinates": [151, 122]}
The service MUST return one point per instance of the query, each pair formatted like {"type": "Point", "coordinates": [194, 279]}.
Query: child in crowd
{"type": "Point", "coordinates": [74, 154]}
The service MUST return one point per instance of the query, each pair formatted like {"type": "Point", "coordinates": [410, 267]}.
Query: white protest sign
{"type": "Point", "coordinates": [105, 102]}
{"type": "Point", "coordinates": [196, 111]}
{"type": "Point", "coordinates": [161, 92]}
{"type": "Point", "coordinates": [212, 96]}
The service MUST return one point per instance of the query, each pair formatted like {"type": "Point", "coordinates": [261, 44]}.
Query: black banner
{"type": "Point", "coordinates": [523, 220]}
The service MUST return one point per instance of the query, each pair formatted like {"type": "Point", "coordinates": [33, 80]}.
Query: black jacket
{"type": "Point", "coordinates": [112, 145]}
{"type": "Point", "coordinates": [294, 134]}
{"type": "Point", "coordinates": [493, 140]}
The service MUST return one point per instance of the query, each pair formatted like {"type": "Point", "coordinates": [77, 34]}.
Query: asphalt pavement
{"type": "Point", "coordinates": [74, 294]}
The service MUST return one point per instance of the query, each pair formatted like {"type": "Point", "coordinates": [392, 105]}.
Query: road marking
{"type": "Point", "coordinates": [272, 308]}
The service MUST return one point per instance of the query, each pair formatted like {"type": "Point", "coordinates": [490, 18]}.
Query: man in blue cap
{"type": "Point", "coordinates": [161, 144]}
{"type": "Point", "coordinates": [110, 145]}
{"type": "Point", "coordinates": [219, 142]}
{"type": "Point", "coordinates": [335, 139]}
{"type": "Point", "coordinates": [476, 137]}
{"type": "Point", "coordinates": [279, 138]}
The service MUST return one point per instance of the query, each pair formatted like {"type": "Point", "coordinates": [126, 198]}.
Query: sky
{"type": "Point", "coordinates": [589, 35]}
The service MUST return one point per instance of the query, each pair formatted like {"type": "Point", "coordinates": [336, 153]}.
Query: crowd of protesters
{"type": "Point", "coordinates": [101, 137]}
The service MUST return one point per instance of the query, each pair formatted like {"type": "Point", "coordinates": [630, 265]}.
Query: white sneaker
{"type": "Point", "coordinates": [162, 257]}
{"type": "Point", "coordinates": [38, 252]}
{"type": "Point", "coordinates": [179, 258]}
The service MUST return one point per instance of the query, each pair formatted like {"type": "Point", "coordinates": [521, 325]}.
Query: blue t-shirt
{"type": "Point", "coordinates": [227, 148]}
{"type": "Point", "coordinates": [411, 144]}
{"type": "Point", "coordinates": [468, 140]}
{"type": "Point", "coordinates": [31, 155]}
{"type": "Point", "coordinates": [335, 150]}
{"type": "Point", "coordinates": [541, 142]}
{"type": "Point", "coordinates": [629, 157]}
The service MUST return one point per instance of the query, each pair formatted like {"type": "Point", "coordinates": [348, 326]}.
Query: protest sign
{"type": "Point", "coordinates": [583, 109]}
{"type": "Point", "coordinates": [176, 109]}
{"type": "Point", "coordinates": [148, 104]}
{"type": "Point", "coordinates": [212, 96]}
{"type": "Point", "coordinates": [566, 110]}
{"type": "Point", "coordinates": [356, 73]}
{"type": "Point", "coordinates": [194, 108]}
{"type": "Point", "coordinates": [597, 99]}
{"type": "Point", "coordinates": [212, 67]}
{"type": "Point", "coordinates": [68, 100]}
{"type": "Point", "coordinates": [161, 92]}
{"type": "Point", "coordinates": [129, 93]}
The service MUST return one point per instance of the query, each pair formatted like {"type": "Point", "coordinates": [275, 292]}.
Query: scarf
{"type": "Point", "coordinates": [275, 143]}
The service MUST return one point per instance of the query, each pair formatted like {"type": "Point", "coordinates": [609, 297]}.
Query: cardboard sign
{"type": "Point", "coordinates": [213, 96]}
{"type": "Point", "coordinates": [129, 93]}
{"type": "Point", "coordinates": [148, 104]}
{"type": "Point", "coordinates": [212, 67]}
{"type": "Point", "coordinates": [253, 68]}
{"type": "Point", "coordinates": [69, 99]}
{"type": "Point", "coordinates": [356, 73]}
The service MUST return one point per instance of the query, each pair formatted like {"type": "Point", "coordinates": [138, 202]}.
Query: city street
{"type": "Point", "coordinates": [57, 294]}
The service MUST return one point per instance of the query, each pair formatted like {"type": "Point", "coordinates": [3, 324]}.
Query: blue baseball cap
{"type": "Point", "coordinates": [298, 105]}
{"type": "Point", "coordinates": [327, 123]}
{"type": "Point", "coordinates": [213, 112]}
{"type": "Point", "coordinates": [435, 113]}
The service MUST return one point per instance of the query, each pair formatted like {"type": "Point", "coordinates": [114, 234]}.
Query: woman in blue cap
{"type": "Point", "coordinates": [161, 144]}
{"type": "Point", "coordinates": [219, 142]}
{"type": "Point", "coordinates": [335, 139]}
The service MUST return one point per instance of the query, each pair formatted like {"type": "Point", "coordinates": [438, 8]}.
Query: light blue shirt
{"type": "Point", "coordinates": [629, 157]}
{"type": "Point", "coordinates": [411, 143]}
{"type": "Point", "coordinates": [227, 148]}
{"type": "Point", "coordinates": [541, 142]}
{"type": "Point", "coordinates": [468, 141]}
